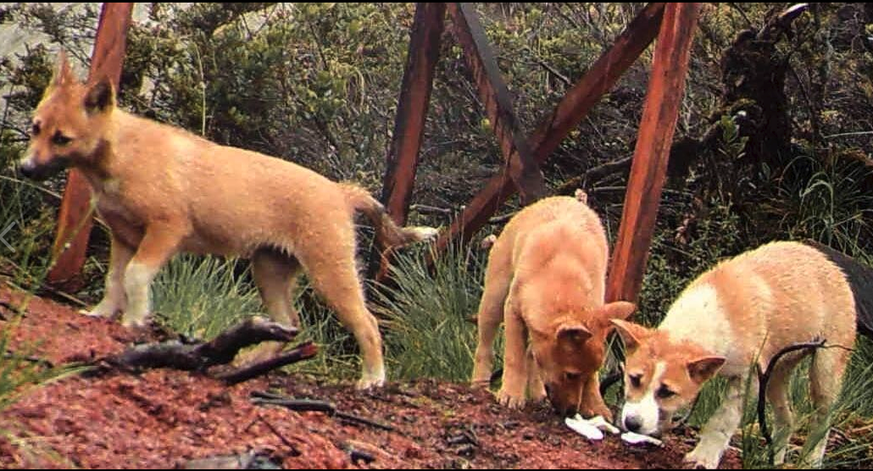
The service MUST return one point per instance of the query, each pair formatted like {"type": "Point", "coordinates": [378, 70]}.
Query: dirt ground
{"type": "Point", "coordinates": [166, 418]}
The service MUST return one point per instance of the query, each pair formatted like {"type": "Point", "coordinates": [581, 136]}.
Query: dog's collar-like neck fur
{"type": "Point", "coordinates": [98, 168]}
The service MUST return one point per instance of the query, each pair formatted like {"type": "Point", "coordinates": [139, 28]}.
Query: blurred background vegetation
{"type": "Point", "coordinates": [774, 141]}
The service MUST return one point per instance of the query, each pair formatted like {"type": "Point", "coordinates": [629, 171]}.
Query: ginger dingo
{"type": "Point", "coordinates": [545, 281]}
{"type": "Point", "coordinates": [163, 191]}
{"type": "Point", "coordinates": [738, 315]}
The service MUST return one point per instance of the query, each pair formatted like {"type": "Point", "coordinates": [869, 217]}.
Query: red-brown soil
{"type": "Point", "coordinates": [166, 418]}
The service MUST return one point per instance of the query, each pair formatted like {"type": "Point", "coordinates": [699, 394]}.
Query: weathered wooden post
{"type": "Point", "coordinates": [468, 31]}
{"type": "Point", "coordinates": [402, 160]}
{"type": "Point", "coordinates": [524, 171]}
{"type": "Point", "coordinates": [663, 99]}
{"type": "Point", "coordinates": [572, 109]}
{"type": "Point", "coordinates": [75, 220]}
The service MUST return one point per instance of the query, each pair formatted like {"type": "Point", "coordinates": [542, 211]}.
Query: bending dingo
{"type": "Point", "coordinates": [546, 280]}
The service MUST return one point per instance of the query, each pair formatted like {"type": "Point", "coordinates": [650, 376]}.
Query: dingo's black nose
{"type": "Point", "coordinates": [632, 424]}
{"type": "Point", "coordinates": [27, 169]}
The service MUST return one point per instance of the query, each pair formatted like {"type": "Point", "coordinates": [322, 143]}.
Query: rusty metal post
{"type": "Point", "coordinates": [663, 100]}
{"type": "Point", "coordinates": [572, 109]}
{"type": "Point", "coordinates": [75, 220]}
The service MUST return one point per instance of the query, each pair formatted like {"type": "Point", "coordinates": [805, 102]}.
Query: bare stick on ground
{"type": "Point", "coordinates": [302, 405]}
{"type": "Point", "coordinates": [220, 351]}
{"type": "Point", "coordinates": [303, 352]}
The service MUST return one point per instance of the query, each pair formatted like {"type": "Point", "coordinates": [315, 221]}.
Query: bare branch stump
{"type": "Point", "coordinates": [200, 356]}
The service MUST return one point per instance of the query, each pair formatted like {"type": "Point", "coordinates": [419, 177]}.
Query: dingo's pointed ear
{"type": "Point", "coordinates": [631, 334]}
{"type": "Point", "coordinates": [705, 368]}
{"type": "Point", "coordinates": [100, 96]}
{"type": "Point", "coordinates": [63, 74]}
{"type": "Point", "coordinates": [618, 310]}
{"type": "Point", "coordinates": [572, 336]}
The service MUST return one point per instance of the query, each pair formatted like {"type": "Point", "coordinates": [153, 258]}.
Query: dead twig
{"type": "Point", "coordinates": [549, 68]}
{"type": "Point", "coordinates": [426, 209]}
{"type": "Point", "coordinates": [304, 405]}
{"type": "Point", "coordinates": [742, 13]}
{"type": "Point", "coordinates": [595, 175]}
{"type": "Point", "coordinates": [764, 379]}
{"type": "Point", "coordinates": [303, 352]}
{"type": "Point", "coordinates": [846, 134]}
{"type": "Point", "coordinates": [43, 287]}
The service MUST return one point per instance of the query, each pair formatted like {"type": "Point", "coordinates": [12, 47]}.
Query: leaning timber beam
{"type": "Point", "coordinates": [572, 109]}
{"type": "Point", "coordinates": [494, 94]}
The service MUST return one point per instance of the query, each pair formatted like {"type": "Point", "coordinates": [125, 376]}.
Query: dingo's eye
{"type": "Point", "coordinates": [60, 139]}
{"type": "Point", "coordinates": [665, 393]}
{"type": "Point", "coordinates": [572, 376]}
{"type": "Point", "coordinates": [635, 380]}
{"type": "Point", "coordinates": [34, 130]}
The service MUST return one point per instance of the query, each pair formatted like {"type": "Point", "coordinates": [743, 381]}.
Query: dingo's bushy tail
{"type": "Point", "coordinates": [387, 231]}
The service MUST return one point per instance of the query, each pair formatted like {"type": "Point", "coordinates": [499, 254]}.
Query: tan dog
{"type": "Point", "coordinates": [734, 318]}
{"type": "Point", "coordinates": [546, 281]}
{"type": "Point", "coordinates": [163, 191]}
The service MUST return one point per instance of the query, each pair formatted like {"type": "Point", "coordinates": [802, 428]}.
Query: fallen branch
{"type": "Point", "coordinates": [220, 351]}
{"type": "Point", "coordinates": [303, 352]}
{"type": "Point", "coordinates": [171, 354]}
{"type": "Point", "coordinates": [253, 331]}
{"type": "Point", "coordinates": [301, 405]}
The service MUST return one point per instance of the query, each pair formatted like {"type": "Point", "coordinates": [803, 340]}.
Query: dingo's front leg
{"type": "Point", "coordinates": [716, 434]}
{"type": "Point", "coordinates": [114, 297]}
{"type": "Point", "coordinates": [488, 320]}
{"type": "Point", "coordinates": [515, 378]}
{"type": "Point", "coordinates": [535, 386]}
{"type": "Point", "coordinates": [157, 247]}
{"type": "Point", "coordinates": [592, 403]}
